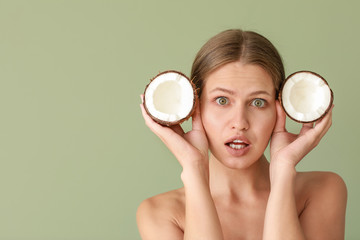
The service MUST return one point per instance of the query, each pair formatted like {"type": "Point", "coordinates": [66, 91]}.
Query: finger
{"type": "Point", "coordinates": [167, 135]}
{"type": "Point", "coordinates": [280, 118]}
{"type": "Point", "coordinates": [196, 119]}
{"type": "Point", "coordinates": [327, 117]}
{"type": "Point", "coordinates": [306, 127]}
{"type": "Point", "coordinates": [148, 120]}
{"type": "Point", "coordinates": [173, 137]}
{"type": "Point", "coordinates": [323, 125]}
{"type": "Point", "coordinates": [177, 128]}
{"type": "Point", "coordinates": [319, 130]}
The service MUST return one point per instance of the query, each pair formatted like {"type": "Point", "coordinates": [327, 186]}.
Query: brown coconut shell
{"type": "Point", "coordinates": [281, 94]}
{"type": "Point", "coordinates": [171, 123]}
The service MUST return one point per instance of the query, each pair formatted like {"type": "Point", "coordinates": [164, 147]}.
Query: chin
{"type": "Point", "coordinates": [237, 163]}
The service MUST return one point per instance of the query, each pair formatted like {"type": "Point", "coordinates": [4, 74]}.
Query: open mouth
{"type": "Point", "coordinates": [237, 144]}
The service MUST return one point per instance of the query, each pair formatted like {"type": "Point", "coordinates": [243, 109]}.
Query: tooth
{"type": "Point", "coordinates": [236, 146]}
{"type": "Point", "coordinates": [237, 141]}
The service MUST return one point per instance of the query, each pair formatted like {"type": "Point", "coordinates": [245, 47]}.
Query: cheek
{"type": "Point", "coordinates": [210, 120]}
{"type": "Point", "coordinates": [207, 120]}
{"type": "Point", "coordinates": [268, 123]}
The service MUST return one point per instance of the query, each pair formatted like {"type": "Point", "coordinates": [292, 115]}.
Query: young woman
{"type": "Point", "coordinates": [233, 191]}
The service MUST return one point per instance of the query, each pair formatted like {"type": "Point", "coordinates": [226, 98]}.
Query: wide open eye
{"type": "Point", "coordinates": [222, 101]}
{"type": "Point", "coordinates": [258, 102]}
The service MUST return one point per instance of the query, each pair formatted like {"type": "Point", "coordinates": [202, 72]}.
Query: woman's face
{"type": "Point", "coordinates": [238, 113]}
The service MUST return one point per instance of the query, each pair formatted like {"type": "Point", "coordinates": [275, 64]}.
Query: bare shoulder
{"type": "Point", "coordinates": [167, 204]}
{"type": "Point", "coordinates": [325, 198]}
{"type": "Point", "coordinates": [311, 183]}
{"type": "Point", "coordinates": [161, 216]}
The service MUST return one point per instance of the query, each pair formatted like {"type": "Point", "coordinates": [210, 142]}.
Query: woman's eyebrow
{"type": "Point", "coordinates": [260, 92]}
{"type": "Point", "coordinates": [231, 92]}
{"type": "Point", "coordinates": [220, 89]}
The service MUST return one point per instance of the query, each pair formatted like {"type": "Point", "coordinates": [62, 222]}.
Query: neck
{"type": "Point", "coordinates": [239, 183]}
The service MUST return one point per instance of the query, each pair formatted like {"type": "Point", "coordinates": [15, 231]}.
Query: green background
{"type": "Point", "coordinates": [75, 156]}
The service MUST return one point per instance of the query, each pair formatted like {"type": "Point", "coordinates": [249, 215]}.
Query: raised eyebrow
{"type": "Point", "coordinates": [220, 89]}
{"type": "Point", "coordinates": [261, 92]}
{"type": "Point", "coordinates": [231, 92]}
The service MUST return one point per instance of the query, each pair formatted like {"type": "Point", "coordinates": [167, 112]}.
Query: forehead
{"type": "Point", "coordinates": [244, 77]}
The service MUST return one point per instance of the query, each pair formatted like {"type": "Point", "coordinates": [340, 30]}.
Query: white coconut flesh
{"type": "Point", "coordinates": [306, 96]}
{"type": "Point", "coordinates": [169, 98]}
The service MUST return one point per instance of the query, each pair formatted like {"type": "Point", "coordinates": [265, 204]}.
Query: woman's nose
{"type": "Point", "coordinates": [240, 119]}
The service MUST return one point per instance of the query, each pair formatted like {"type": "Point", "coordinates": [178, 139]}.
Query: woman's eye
{"type": "Point", "coordinates": [258, 103]}
{"type": "Point", "coordinates": [222, 100]}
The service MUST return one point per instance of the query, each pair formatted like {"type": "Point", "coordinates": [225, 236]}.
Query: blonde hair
{"type": "Point", "coordinates": [237, 45]}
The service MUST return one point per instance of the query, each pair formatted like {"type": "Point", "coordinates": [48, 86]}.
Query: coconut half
{"type": "Point", "coordinates": [170, 98]}
{"type": "Point", "coordinates": [306, 96]}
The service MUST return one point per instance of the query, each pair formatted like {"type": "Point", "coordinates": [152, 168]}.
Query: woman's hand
{"type": "Point", "coordinates": [288, 148]}
{"type": "Point", "coordinates": [189, 148]}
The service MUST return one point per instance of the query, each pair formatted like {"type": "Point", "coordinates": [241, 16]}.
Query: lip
{"type": "Point", "coordinates": [238, 140]}
{"type": "Point", "coordinates": [238, 137]}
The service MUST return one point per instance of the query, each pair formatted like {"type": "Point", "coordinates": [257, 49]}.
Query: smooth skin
{"type": "Point", "coordinates": [234, 192]}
